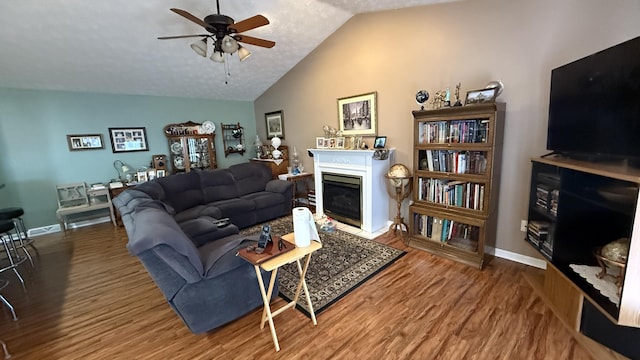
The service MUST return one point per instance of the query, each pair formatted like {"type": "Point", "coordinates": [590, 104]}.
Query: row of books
{"type": "Point", "coordinates": [453, 161]}
{"type": "Point", "coordinates": [547, 199]}
{"type": "Point", "coordinates": [452, 192]}
{"type": "Point", "coordinates": [538, 235]}
{"type": "Point", "coordinates": [312, 198]}
{"type": "Point", "coordinates": [444, 230]}
{"type": "Point", "coordinates": [458, 131]}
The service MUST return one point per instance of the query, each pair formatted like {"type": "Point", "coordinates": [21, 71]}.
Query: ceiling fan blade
{"type": "Point", "coordinates": [181, 36]}
{"type": "Point", "coordinates": [188, 16]}
{"type": "Point", "coordinates": [248, 24]}
{"type": "Point", "coordinates": [254, 41]}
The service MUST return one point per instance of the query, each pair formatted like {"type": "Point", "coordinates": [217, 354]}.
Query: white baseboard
{"type": "Point", "coordinates": [519, 258]}
{"type": "Point", "coordinates": [50, 229]}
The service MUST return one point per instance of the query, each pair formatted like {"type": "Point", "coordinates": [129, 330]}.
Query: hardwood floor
{"type": "Point", "coordinates": [87, 298]}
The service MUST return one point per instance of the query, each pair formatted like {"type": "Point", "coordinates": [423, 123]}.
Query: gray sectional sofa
{"type": "Point", "coordinates": [171, 226]}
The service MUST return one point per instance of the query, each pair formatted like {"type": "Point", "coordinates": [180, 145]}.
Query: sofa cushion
{"type": "Point", "coordinates": [181, 191]}
{"type": "Point", "coordinates": [197, 211]}
{"type": "Point", "coordinates": [234, 207]}
{"type": "Point", "coordinates": [153, 189]}
{"type": "Point", "coordinates": [265, 199]}
{"type": "Point", "coordinates": [202, 230]}
{"type": "Point", "coordinates": [218, 184]}
{"type": "Point", "coordinates": [250, 177]}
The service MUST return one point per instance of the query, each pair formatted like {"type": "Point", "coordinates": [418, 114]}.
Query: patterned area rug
{"type": "Point", "coordinates": [345, 262]}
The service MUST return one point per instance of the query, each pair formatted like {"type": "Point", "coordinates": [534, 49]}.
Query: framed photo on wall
{"type": "Point", "coordinates": [85, 142]}
{"type": "Point", "coordinates": [275, 124]}
{"type": "Point", "coordinates": [128, 139]}
{"type": "Point", "coordinates": [358, 115]}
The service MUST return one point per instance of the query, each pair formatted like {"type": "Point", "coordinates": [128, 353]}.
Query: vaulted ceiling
{"type": "Point", "coordinates": [112, 46]}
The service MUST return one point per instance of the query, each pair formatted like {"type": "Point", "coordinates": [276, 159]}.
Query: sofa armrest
{"type": "Point", "coordinates": [178, 263]}
{"type": "Point", "coordinates": [279, 186]}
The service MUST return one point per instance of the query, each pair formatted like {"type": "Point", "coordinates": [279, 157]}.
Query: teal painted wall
{"type": "Point", "coordinates": [33, 144]}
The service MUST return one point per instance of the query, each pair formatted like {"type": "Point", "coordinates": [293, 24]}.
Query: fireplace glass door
{"type": "Point", "coordinates": [342, 198]}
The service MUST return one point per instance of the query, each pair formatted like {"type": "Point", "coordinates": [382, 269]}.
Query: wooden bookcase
{"type": "Point", "coordinates": [576, 207]}
{"type": "Point", "coordinates": [456, 160]}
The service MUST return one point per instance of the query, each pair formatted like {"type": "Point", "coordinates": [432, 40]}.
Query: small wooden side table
{"type": "Point", "coordinates": [273, 265]}
{"type": "Point", "coordinates": [299, 187]}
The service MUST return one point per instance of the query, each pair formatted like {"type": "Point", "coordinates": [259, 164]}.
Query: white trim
{"type": "Point", "coordinates": [519, 258]}
{"type": "Point", "coordinates": [50, 229]}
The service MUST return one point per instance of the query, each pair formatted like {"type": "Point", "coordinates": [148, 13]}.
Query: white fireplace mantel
{"type": "Point", "coordinates": [375, 199]}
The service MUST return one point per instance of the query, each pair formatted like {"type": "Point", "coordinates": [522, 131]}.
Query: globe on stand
{"type": "Point", "coordinates": [421, 97]}
{"type": "Point", "coordinates": [399, 181]}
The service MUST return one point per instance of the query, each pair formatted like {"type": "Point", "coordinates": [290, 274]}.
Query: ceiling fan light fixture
{"type": "Point", "coordinates": [243, 53]}
{"type": "Point", "coordinates": [217, 56]}
{"type": "Point", "coordinates": [200, 47]}
{"type": "Point", "coordinates": [229, 44]}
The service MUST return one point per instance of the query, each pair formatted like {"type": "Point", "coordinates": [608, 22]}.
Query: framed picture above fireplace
{"type": "Point", "coordinates": [358, 115]}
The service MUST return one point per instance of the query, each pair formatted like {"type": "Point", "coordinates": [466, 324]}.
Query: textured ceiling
{"type": "Point", "coordinates": [112, 47]}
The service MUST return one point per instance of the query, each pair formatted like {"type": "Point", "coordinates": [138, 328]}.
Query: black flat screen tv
{"type": "Point", "coordinates": [594, 105]}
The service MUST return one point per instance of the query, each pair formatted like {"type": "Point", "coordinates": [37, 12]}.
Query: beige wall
{"type": "Point", "coordinates": [433, 47]}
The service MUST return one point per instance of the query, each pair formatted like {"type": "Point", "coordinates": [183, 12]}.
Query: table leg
{"type": "Point", "coordinates": [267, 306]}
{"type": "Point", "coordinates": [272, 282]}
{"type": "Point", "coordinates": [303, 284]}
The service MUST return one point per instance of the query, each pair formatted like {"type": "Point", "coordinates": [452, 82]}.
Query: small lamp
{"type": "Point", "coordinates": [276, 142]}
{"type": "Point", "coordinates": [123, 169]}
{"type": "Point", "coordinates": [200, 47]}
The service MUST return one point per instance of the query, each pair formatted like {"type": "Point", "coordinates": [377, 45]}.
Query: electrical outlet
{"type": "Point", "coordinates": [523, 225]}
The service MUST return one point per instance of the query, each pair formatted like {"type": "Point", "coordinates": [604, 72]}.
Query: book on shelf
{"type": "Point", "coordinates": [430, 160]}
{"type": "Point", "coordinates": [115, 185]}
{"type": "Point", "coordinates": [98, 186]}
{"type": "Point", "coordinates": [436, 230]}
{"type": "Point", "coordinates": [457, 131]}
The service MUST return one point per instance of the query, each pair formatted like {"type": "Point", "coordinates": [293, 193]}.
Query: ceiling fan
{"type": "Point", "coordinates": [224, 33]}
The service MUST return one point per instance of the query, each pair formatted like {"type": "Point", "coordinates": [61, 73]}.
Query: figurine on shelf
{"type": "Point", "coordinates": [457, 93]}
{"type": "Point", "coordinates": [447, 98]}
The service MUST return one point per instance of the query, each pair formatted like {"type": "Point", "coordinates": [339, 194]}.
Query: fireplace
{"type": "Point", "coordinates": [342, 197]}
{"type": "Point", "coordinates": [373, 204]}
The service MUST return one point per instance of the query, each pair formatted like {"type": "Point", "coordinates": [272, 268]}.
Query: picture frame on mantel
{"type": "Point", "coordinates": [358, 115]}
{"type": "Point", "coordinates": [275, 124]}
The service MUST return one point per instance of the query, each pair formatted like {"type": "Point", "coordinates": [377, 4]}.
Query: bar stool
{"type": "Point", "coordinates": [3, 284]}
{"type": "Point", "coordinates": [15, 214]}
{"type": "Point", "coordinates": [10, 249]}
{"type": "Point", "coordinates": [6, 351]}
